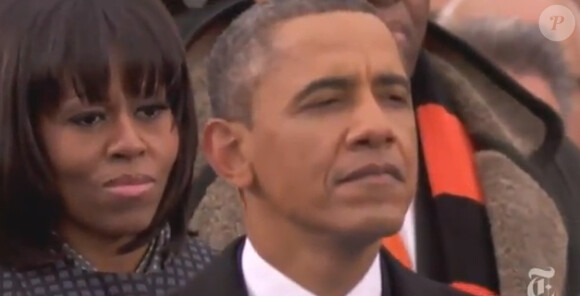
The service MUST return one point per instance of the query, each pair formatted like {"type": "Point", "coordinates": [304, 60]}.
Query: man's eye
{"type": "Point", "coordinates": [151, 111]}
{"type": "Point", "coordinates": [389, 97]}
{"type": "Point", "coordinates": [325, 102]}
{"type": "Point", "coordinates": [88, 119]}
{"type": "Point", "coordinates": [397, 98]}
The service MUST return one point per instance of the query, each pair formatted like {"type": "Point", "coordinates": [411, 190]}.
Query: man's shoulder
{"type": "Point", "coordinates": [224, 277]}
{"type": "Point", "coordinates": [404, 282]}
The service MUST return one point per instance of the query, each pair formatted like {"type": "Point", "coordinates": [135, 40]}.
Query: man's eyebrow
{"type": "Point", "coordinates": [333, 82]}
{"type": "Point", "coordinates": [390, 79]}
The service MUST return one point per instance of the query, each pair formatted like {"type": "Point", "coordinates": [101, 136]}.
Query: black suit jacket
{"type": "Point", "coordinates": [224, 278]}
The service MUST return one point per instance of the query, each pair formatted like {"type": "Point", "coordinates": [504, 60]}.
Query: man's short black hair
{"type": "Point", "coordinates": [240, 53]}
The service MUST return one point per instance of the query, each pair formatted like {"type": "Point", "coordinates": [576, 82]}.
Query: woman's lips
{"type": "Point", "coordinates": [129, 185]}
{"type": "Point", "coordinates": [128, 191]}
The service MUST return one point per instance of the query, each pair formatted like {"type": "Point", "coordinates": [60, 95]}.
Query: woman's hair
{"type": "Point", "coordinates": [44, 43]}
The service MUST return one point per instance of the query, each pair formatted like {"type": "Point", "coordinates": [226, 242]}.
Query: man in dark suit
{"type": "Point", "coordinates": [519, 155]}
{"type": "Point", "coordinates": [317, 132]}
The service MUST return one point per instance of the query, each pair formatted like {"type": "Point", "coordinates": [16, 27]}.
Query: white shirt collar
{"type": "Point", "coordinates": [262, 279]}
{"type": "Point", "coordinates": [408, 235]}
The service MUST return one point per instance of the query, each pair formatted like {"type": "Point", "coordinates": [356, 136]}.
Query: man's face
{"type": "Point", "coordinates": [407, 19]}
{"type": "Point", "coordinates": [332, 147]}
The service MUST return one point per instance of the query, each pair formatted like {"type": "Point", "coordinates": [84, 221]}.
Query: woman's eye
{"type": "Point", "coordinates": [151, 111]}
{"type": "Point", "coordinates": [88, 119]}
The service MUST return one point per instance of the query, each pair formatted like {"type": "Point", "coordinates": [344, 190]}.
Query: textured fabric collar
{"type": "Point", "coordinates": [152, 261]}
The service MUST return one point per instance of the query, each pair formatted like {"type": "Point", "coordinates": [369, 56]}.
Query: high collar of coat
{"type": "Point", "coordinates": [514, 133]}
{"type": "Point", "coordinates": [489, 103]}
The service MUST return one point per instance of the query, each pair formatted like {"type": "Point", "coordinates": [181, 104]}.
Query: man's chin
{"type": "Point", "coordinates": [369, 231]}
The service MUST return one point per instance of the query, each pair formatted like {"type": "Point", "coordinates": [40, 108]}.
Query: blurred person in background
{"type": "Point", "coordinates": [97, 154]}
{"type": "Point", "coordinates": [492, 158]}
{"type": "Point", "coordinates": [459, 12]}
{"type": "Point", "coordinates": [520, 50]}
{"type": "Point", "coordinates": [528, 11]}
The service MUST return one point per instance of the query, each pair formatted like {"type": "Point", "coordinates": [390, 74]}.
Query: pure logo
{"type": "Point", "coordinates": [557, 22]}
{"type": "Point", "coordinates": [540, 282]}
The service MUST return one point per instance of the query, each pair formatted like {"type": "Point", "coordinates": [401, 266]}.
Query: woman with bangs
{"type": "Point", "coordinates": [98, 142]}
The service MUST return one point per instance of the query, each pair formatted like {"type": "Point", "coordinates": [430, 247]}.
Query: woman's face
{"type": "Point", "coordinates": [112, 160]}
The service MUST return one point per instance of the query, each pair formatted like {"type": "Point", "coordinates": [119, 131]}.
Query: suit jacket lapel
{"type": "Point", "coordinates": [400, 281]}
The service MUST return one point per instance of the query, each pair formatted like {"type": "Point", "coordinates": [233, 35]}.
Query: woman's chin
{"type": "Point", "coordinates": [127, 226]}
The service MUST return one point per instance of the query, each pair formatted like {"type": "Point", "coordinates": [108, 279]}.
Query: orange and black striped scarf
{"type": "Point", "coordinates": [462, 222]}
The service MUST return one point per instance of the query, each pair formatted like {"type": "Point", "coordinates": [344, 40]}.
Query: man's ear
{"type": "Point", "coordinates": [225, 146]}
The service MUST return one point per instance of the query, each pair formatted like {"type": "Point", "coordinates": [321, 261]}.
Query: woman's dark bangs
{"type": "Point", "coordinates": [67, 49]}
{"type": "Point", "coordinates": [78, 50]}
{"type": "Point", "coordinates": [149, 53]}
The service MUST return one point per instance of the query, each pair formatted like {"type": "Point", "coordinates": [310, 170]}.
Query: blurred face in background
{"type": "Point", "coordinates": [530, 11]}
{"type": "Point", "coordinates": [407, 20]}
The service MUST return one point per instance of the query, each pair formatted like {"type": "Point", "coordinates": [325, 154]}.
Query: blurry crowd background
{"type": "Point", "coordinates": [506, 32]}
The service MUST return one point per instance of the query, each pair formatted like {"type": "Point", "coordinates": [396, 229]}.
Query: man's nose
{"type": "Point", "coordinates": [127, 142]}
{"type": "Point", "coordinates": [371, 126]}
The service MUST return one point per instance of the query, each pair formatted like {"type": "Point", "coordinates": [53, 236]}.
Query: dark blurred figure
{"type": "Point", "coordinates": [96, 161]}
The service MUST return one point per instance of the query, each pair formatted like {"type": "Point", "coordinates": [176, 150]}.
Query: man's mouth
{"type": "Point", "coordinates": [374, 172]}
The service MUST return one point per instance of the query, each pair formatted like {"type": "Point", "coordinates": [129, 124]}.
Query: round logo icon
{"type": "Point", "coordinates": [557, 22]}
